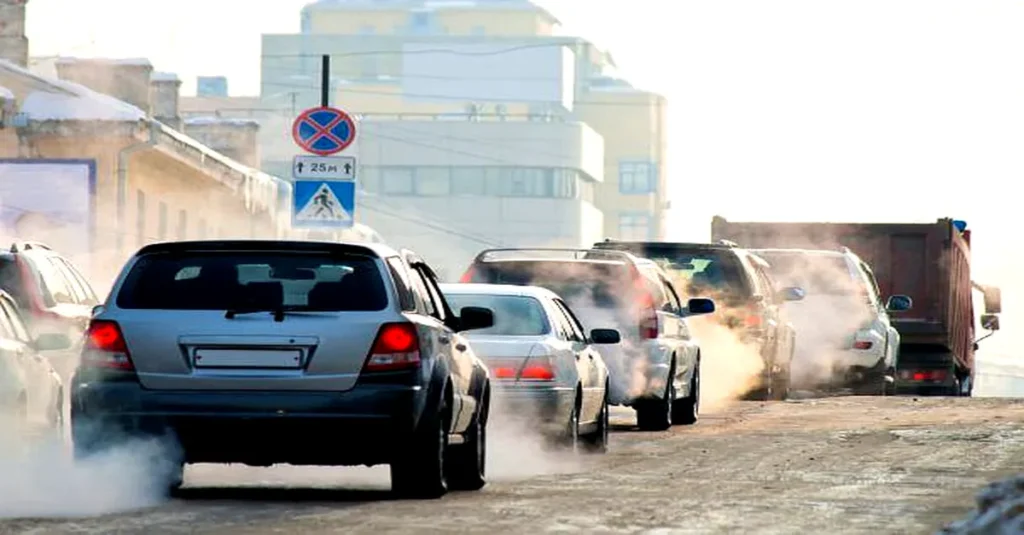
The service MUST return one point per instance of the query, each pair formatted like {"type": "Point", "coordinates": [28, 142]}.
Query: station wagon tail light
{"type": "Point", "coordinates": [648, 314]}
{"type": "Point", "coordinates": [397, 347]}
{"type": "Point", "coordinates": [105, 347]}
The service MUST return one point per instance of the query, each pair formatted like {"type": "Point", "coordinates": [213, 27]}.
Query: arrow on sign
{"type": "Point", "coordinates": [300, 166]}
{"type": "Point", "coordinates": [348, 168]}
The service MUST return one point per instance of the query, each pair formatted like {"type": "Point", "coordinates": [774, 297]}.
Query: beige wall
{"type": "Point", "coordinates": [633, 126]}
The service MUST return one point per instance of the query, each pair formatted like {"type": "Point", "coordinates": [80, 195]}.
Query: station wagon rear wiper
{"type": "Point", "coordinates": [278, 312]}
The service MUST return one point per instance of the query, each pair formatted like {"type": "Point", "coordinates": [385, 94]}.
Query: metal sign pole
{"type": "Point", "coordinates": [325, 81]}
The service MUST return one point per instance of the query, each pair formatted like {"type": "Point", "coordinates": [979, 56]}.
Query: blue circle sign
{"type": "Point", "coordinates": [324, 131]}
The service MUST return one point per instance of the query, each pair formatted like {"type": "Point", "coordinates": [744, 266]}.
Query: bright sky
{"type": "Point", "coordinates": [812, 110]}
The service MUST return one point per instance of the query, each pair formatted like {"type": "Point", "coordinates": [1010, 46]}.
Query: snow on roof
{"type": "Point", "coordinates": [6, 93]}
{"type": "Point", "coordinates": [68, 101]}
{"type": "Point", "coordinates": [158, 76]}
{"type": "Point", "coordinates": [137, 62]}
{"type": "Point", "coordinates": [214, 120]}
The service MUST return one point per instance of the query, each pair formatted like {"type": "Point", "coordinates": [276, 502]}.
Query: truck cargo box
{"type": "Point", "coordinates": [929, 262]}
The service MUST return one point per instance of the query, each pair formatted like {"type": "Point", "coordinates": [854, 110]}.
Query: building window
{"type": "Point", "coordinates": [182, 224]}
{"type": "Point", "coordinates": [140, 217]}
{"type": "Point", "coordinates": [420, 21]}
{"type": "Point", "coordinates": [637, 178]}
{"type": "Point", "coordinates": [433, 181]}
{"type": "Point", "coordinates": [635, 227]}
{"type": "Point", "coordinates": [161, 229]}
{"type": "Point", "coordinates": [525, 182]}
{"type": "Point", "coordinates": [396, 181]}
{"type": "Point", "coordinates": [469, 181]}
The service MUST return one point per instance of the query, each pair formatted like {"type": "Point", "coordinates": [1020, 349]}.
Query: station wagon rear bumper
{"type": "Point", "coordinates": [545, 409]}
{"type": "Point", "coordinates": [366, 425]}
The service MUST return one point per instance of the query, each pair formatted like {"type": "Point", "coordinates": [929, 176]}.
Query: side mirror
{"type": "Point", "coordinates": [899, 303]}
{"type": "Point", "coordinates": [990, 322]}
{"type": "Point", "coordinates": [52, 342]}
{"type": "Point", "coordinates": [605, 336]}
{"type": "Point", "coordinates": [475, 318]}
{"type": "Point", "coordinates": [792, 293]}
{"type": "Point", "coordinates": [696, 307]}
{"type": "Point", "coordinates": [96, 310]}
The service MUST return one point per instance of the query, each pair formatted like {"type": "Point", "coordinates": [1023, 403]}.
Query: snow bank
{"type": "Point", "coordinates": [159, 76]}
{"type": "Point", "coordinates": [1000, 511]}
{"type": "Point", "coordinates": [82, 106]}
{"type": "Point", "coordinates": [213, 120]}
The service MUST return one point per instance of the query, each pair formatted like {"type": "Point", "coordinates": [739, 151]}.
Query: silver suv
{"type": "Point", "coordinates": [266, 352]}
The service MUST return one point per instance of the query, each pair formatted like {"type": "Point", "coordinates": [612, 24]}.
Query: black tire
{"type": "Point", "coordinates": [597, 442]}
{"type": "Point", "coordinates": [686, 410]}
{"type": "Point", "coordinates": [467, 462]}
{"type": "Point", "coordinates": [421, 471]}
{"type": "Point", "coordinates": [656, 414]}
{"type": "Point", "coordinates": [571, 438]}
{"type": "Point", "coordinates": [957, 389]}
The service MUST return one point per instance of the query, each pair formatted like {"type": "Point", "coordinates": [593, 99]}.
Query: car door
{"type": "Point", "coordinates": [17, 354]}
{"type": "Point", "coordinates": [448, 348]}
{"type": "Point", "coordinates": [882, 318]}
{"type": "Point", "coordinates": [687, 348]}
{"type": "Point", "coordinates": [589, 364]}
{"type": "Point", "coordinates": [39, 368]}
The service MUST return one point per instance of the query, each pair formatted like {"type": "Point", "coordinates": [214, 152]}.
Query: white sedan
{"type": "Point", "coordinates": [543, 365]}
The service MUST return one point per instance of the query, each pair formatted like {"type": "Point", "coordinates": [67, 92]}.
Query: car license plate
{"type": "Point", "coordinates": [247, 358]}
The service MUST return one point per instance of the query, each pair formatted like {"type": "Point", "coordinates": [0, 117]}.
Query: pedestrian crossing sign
{"type": "Point", "coordinates": [320, 203]}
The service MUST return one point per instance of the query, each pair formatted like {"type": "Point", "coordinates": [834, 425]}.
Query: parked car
{"type": "Point", "coordinates": [293, 352]}
{"type": "Point", "coordinates": [844, 333]}
{"type": "Point", "coordinates": [53, 295]}
{"type": "Point", "coordinates": [749, 300]}
{"type": "Point", "coordinates": [544, 365]}
{"type": "Point", "coordinates": [31, 391]}
{"type": "Point", "coordinates": [655, 368]}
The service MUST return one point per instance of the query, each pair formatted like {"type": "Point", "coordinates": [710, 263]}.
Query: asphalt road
{"type": "Point", "coordinates": [838, 465]}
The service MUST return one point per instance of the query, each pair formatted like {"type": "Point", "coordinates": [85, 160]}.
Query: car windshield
{"type": "Point", "coordinates": [259, 281]}
{"type": "Point", "coordinates": [514, 315]}
{"type": "Point", "coordinates": [815, 274]}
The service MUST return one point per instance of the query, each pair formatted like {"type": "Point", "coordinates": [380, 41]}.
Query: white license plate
{"type": "Point", "coordinates": [247, 358]}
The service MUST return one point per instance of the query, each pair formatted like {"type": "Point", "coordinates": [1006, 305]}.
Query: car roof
{"type": "Point", "coordinates": [497, 289]}
{"type": "Point", "coordinates": [804, 252]}
{"type": "Point", "coordinates": [377, 249]}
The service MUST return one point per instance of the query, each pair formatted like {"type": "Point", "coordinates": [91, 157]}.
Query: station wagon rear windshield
{"type": "Point", "coordinates": [254, 281]}
{"type": "Point", "coordinates": [581, 283]}
{"type": "Point", "coordinates": [815, 274]}
{"type": "Point", "coordinates": [514, 315]}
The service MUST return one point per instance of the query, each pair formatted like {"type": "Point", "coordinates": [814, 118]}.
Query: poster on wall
{"type": "Point", "coordinates": [49, 201]}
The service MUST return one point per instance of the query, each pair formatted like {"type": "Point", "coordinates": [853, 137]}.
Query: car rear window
{"type": "Point", "coordinates": [597, 283]}
{"type": "Point", "coordinates": [231, 281]}
{"type": "Point", "coordinates": [514, 315]}
{"type": "Point", "coordinates": [814, 273]}
{"type": "Point", "coordinates": [697, 271]}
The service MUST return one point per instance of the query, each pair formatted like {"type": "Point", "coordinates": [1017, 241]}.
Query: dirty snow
{"type": "Point", "coordinates": [85, 106]}
{"type": "Point", "coordinates": [1000, 510]}
{"type": "Point", "coordinates": [213, 120]}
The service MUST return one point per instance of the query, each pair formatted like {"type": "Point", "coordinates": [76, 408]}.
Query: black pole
{"type": "Point", "coordinates": [325, 81]}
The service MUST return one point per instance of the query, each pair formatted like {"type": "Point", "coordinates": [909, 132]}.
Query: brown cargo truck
{"type": "Point", "coordinates": [929, 262]}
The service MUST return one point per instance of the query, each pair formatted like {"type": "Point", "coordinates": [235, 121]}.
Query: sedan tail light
{"type": "Point", "coordinates": [397, 347]}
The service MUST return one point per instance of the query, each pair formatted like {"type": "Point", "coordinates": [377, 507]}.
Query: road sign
{"type": "Point", "coordinates": [323, 131]}
{"type": "Point", "coordinates": [323, 203]}
{"type": "Point", "coordinates": [324, 168]}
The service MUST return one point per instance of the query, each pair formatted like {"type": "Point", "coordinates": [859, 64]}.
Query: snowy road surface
{"type": "Point", "coordinates": [837, 465]}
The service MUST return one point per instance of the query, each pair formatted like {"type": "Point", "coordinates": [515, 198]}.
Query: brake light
{"type": "Point", "coordinates": [863, 344]}
{"type": "Point", "coordinates": [924, 375]}
{"type": "Point", "coordinates": [504, 372]}
{"type": "Point", "coordinates": [397, 347]}
{"type": "Point", "coordinates": [539, 371]}
{"type": "Point", "coordinates": [753, 317]}
{"type": "Point", "coordinates": [105, 347]}
{"type": "Point", "coordinates": [648, 313]}
{"type": "Point", "coordinates": [468, 275]}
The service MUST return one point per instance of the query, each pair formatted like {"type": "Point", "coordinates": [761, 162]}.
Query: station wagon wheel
{"type": "Point", "coordinates": [421, 472]}
{"type": "Point", "coordinates": [467, 462]}
{"type": "Point", "coordinates": [572, 432]}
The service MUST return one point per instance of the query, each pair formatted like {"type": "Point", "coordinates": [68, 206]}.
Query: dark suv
{"type": "Point", "coordinates": [53, 295]}
{"type": "Point", "coordinates": [655, 368]}
{"type": "Point", "coordinates": [748, 299]}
